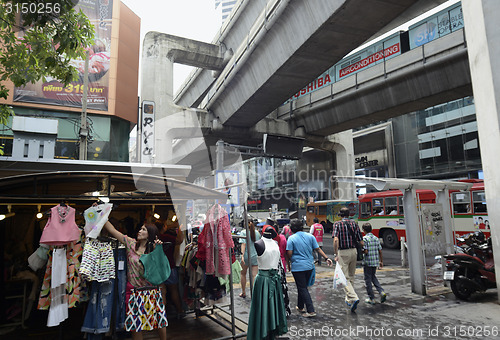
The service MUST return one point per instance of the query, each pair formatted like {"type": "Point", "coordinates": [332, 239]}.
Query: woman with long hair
{"type": "Point", "coordinates": [139, 291]}
{"type": "Point", "coordinates": [245, 262]}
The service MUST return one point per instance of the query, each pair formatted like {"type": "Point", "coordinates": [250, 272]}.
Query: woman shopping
{"type": "Point", "coordinates": [140, 292]}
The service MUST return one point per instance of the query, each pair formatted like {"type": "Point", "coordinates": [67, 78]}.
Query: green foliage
{"type": "Point", "coordinates": [37, 42]}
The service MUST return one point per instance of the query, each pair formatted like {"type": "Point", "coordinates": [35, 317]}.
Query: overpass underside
{"type": "Point", "coordinates": [429, 75]}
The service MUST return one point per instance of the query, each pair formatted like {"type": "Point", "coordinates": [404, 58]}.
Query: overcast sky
{"type": "Point", "coordinates": [193, 19]}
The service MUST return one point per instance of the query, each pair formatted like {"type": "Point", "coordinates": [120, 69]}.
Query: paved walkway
{"type": "Point", "coordinates": [404, 315]}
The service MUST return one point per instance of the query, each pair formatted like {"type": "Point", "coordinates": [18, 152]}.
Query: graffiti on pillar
{"type": "Point", "coordinates": [148, 132]}
{"type": "Point", "coordinates": [433, 229]}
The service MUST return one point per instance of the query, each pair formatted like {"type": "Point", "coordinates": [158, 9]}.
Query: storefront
{"type": "Point", "coordinates": [138, 193]}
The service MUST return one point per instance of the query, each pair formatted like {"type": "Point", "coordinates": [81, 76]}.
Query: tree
{"type": "Point", "coordinates": [39, 38]}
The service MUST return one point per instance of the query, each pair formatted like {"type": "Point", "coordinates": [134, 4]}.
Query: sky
{"type": "Point", "coordinates": [193, 19]}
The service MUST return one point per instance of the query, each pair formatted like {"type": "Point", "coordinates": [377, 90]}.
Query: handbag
{"type": "Point", "coordinates": [359, 248]}
{"type": "Point", "coordinates": [156, 266]}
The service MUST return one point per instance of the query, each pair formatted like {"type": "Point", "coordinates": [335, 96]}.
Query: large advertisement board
{"type": "Point", "coordinates": [50, 91]}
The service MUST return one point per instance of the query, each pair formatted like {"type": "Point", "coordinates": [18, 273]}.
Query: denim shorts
{"type": "Point", "coordinates": [99, 310]}
{"type": "Point", "coordinates": [174, 276]}
{"type": "Point", "coordinates": [120, 306]}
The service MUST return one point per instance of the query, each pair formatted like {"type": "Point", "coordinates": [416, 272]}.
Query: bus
{"type": "Point", "coordinates": [384, 211]}
{"type": "Point", "coordinates": [327, 212]}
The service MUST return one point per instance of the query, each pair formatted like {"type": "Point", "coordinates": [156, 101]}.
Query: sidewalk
{"type": "Point", "coordinates": [404, 315]}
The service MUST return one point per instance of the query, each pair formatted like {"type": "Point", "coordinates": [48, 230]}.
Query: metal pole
{"type": "Point", "coordinates": [84, 132]}
{"type": "Point", "coordinates": [245, 217]}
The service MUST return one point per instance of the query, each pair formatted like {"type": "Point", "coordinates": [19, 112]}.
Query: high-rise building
{"type": "Point", "coordinates": [227, 7]}
{"type": "Point", "coordinates": [112, 101]}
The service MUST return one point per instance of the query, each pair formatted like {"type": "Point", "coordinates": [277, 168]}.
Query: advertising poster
{"type": "Point", "coordinates": [50, 91]}
{"type": "Point", "coordinates": [225, 179]}
{"type": "Point", "coordinates": [265, 173]}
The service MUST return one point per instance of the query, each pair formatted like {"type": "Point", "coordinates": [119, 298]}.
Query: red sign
{"type": "Point", "coordinates": [369, 60]}
{"type": "Point", "coordinates": [254, 202]}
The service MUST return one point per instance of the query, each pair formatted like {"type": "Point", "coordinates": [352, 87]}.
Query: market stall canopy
{"type": "Point", "coordinates": [88, 186]}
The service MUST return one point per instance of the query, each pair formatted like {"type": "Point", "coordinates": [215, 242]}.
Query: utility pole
{"type": "Point", "coordinates": [84, 132]}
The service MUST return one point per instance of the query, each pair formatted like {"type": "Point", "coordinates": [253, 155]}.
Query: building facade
{"type": "Point", "coordinates": [112, 92]}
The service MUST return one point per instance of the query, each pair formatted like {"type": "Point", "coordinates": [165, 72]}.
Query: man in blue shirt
{"type": "Point", "coordinates": [299, 248]}
{"type": "Point", "coordinates": [373, 259]}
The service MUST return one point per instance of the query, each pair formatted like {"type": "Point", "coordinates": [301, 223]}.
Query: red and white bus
{"type": "Point", "coordinates": [384, 211]}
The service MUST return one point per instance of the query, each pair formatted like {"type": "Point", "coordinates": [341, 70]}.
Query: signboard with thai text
{"type": "Point", "coordinates": [51, 91]}
{"type": "Point", "coordinates": [148, 132]}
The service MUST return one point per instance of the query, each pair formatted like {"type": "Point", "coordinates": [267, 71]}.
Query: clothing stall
{"type": "Point", "coordinates": [30, 200]}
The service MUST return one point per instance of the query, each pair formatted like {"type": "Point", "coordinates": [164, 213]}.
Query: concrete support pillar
{"type": "Point", "coordinates": [415, 256]}
{"type": "Point", "coordinates": [483, 46]}
{"type": "Point", "coordinates": [159, 53]}
{"type": "Point", "coordinates": [344, 150]}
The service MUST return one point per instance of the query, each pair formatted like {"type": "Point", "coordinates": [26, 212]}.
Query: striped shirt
{"type": "Point", "coordinates": [341, 231]}
{"type": "Point", "coordinates": [372, 244]}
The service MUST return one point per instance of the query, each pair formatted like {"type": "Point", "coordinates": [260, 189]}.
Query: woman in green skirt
{"type": "Point", "coordinates": [267, 311]}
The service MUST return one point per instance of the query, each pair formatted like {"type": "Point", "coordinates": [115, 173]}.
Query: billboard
{"type": "Point", "coordinates": [52, 92]}
{"type": "Point", "coordinates": [226, 179]}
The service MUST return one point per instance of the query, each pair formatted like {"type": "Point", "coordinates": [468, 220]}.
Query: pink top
{"type": "Point", "coordinates": [61, 227]}
{"type": "Point", "coordinates": [282, 245]}
{"type": "Point", "coordinates": [135, 269]}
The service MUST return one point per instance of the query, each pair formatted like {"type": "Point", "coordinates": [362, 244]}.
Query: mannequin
{"type": "Point", "coordinates": [267, 311]}
{"type": "Point", "coordinates": [260, 245]}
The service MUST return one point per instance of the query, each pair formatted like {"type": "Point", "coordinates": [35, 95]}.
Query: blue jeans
{"type": "Point", "coordinates": [303, 296]}
{"type": "Point", "coordinates": [120, 303]}
{"type": "Point", "coordinates": [99, 310]}
{"type": "Point", "coordinates": [371, 278]}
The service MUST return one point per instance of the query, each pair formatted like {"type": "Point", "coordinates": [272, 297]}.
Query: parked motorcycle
{"type": "Point", "coordinates": [473, 270]}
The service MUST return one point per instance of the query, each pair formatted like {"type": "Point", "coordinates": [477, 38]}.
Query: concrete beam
{"type": "Point", "coordinates": [289, 49]}
{"type": "Point", "coordinates": [413, 81]}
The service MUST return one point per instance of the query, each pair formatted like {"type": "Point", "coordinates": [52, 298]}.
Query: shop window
{"type": "Point", "coordinates": [479, 201]}
{"type": "Point", "coordinates": [461, 202]}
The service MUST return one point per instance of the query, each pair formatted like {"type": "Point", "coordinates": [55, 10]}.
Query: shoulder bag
{"type": "Point", "coordinates": [358, 246]}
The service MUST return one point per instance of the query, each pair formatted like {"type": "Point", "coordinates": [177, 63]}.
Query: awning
{"type": "Point", "coordinates": [84, 186]}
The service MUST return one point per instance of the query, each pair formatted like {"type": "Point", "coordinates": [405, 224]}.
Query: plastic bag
{"type": "Point", "coordinates": [339, 280]}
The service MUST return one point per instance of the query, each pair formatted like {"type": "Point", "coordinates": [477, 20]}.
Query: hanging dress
{"type": "Point", "coordinates": [267, 311]}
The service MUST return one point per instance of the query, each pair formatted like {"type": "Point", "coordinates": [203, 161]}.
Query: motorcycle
{"type": "Point", "coordinates": [472, 270]}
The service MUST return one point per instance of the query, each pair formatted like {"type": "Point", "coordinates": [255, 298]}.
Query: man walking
{"type": "Point", "coordinates": [345, 236]}
{"type": "Point", "coordinates": [373, 258]}
{"type": "Point", "coordinates": [317, 231]}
